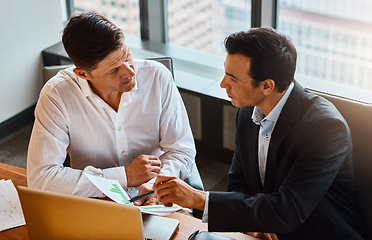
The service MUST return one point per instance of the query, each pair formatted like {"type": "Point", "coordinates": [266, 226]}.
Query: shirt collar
{"type": "Point", "coordinates": [84, 85]}
{"type": "Point", "coordinates": [87, 90]}
{"type": "Point", "coordinates": [258, 115]}
{"type": "Point", "coordinates": [127, 97]}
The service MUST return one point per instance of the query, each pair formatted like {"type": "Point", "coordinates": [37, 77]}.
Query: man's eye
{"type": "Point", "coordinates": [233, 79]}
{"type": "Point", "coordinates": [115, 70]}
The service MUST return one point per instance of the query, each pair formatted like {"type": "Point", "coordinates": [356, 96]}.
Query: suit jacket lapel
{"type": "Point", "coordinates": [289, 115]}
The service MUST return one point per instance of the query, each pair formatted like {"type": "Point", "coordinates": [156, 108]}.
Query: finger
{"type": "Point", "coordinates": [161, 192]}
{"type": "Point", "coordinates": [139, 202]}
{"type": "Point", "coordinates": [253, 234]}
{"type": "Point", "coordinates": [166, 201]}
{"type": "Point", "coordinates": [151, 201]}
{"type": "Point", "coordinates": [165, 196]}
{"type": "Point", "coordinates": [151, 157]}
{"type": "Point", "coordinates": [163, 187]}
{"type": "Point", "coordinates": [268, 236]}
{"type": "Point", "coordinates": [155, 169]}
{"type": "Point", "coordinates": [160, 179]}
{"type": "Point", "coordinates": [168, 204]}
{"type": "Point", "coordinates": [152, 175]}
{"type": "Point", "coordinates": [143, 201]}
{"type": "Point", "coordinates": [155, 162]}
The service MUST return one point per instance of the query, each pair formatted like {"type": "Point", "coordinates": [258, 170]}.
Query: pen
{"type": "Point", "coordinates": [140, 196]}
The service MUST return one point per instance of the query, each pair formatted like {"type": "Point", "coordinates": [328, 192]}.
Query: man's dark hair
{"type": "Point", "coordinates": [272, 54]}
{"type": "Point", "coordinates": [89, 37]}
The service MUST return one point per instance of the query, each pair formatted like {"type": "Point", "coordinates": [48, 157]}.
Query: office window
{"type": "Point", "coordinates": [334, 43]}
{"type": "Point", "coordinates": [203, 25]}
{"type": "Point", "coordinates": [124, 13]}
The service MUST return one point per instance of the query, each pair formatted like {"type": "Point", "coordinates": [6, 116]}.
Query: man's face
{"type": "Point", "coordinates": [115, 73]}
{"type": "Point", "coordinates": [238, 84]}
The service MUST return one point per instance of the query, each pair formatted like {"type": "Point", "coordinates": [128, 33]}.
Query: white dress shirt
{"type": "Point", "coordinates": [71, 119]}
{"type": "Point", "coordinates": [267, 125]}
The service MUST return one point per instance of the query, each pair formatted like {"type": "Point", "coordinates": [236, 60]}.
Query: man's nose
{"type": "Point", "coordinates": [128, 70]}
{"type": "Point", "coordinates": [222, 84]}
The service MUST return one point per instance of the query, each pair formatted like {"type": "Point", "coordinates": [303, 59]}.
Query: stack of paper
{"type": "Point", "coordinates": [112, 189]}
{"type": "Point", "coordinates": [159, 210]}
{"type": "Point", "coordinates": [11, 214]}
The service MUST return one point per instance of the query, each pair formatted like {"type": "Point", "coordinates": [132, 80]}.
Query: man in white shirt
{"type": "Point", "coordinates": [113, 116]}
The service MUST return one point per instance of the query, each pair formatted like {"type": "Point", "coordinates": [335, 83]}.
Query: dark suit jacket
{"type": "Point", "coordinates": [309, 188]}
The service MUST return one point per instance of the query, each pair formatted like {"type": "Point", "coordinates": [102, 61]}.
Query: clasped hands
{"type": "Point", "coordinates": [168, 190]}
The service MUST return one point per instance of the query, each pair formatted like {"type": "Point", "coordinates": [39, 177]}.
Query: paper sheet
{"type": "Point", "coordinates": [159, 210]}
{"type": "Point", "coordinates": [112, 189]}
{"type": "Point", "coordinates": [11, 214]}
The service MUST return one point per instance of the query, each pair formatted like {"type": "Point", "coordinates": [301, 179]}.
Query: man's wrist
{"type": "Point", "coordinates": [201, 198]}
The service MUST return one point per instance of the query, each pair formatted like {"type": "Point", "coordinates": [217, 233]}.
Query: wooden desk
{"type": "Point", "coordinates": [18, 176]}
{"type": "Point", "coordinates": [187, 226]}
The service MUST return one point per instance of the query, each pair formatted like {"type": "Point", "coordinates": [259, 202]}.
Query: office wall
{"type": "Point", "coordinates": [26, 28]}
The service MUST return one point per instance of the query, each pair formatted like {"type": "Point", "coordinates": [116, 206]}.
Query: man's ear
{"type": "Point", "coordinates": [81, 73]}
{"type": "Point", "coordinates": [268, 86]}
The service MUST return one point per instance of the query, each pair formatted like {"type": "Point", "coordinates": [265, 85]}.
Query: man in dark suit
{"type": "Point", "coordinates": [292, 170]}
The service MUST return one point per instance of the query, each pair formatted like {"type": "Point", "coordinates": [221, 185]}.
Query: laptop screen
{"type": "Point", "coordinates": [51, 215]}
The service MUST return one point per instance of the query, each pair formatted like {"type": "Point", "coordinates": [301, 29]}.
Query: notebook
{"type": "Point", "coordinates": [51, 215]}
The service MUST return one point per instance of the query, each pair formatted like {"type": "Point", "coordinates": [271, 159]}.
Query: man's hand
{"type": "Point", "coordinates": [142, 169]}
{"type": "Point", "coordinates": [149, 200]}
{"type": "Point", "coordinates": [263, 236]}
{"type": "Point", "coordinates": [171, 190]}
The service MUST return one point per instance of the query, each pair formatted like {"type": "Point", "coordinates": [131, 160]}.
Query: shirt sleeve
{"type": "Point", "coordinates": [176, 139]}
{"type": "Point", "coordinates": [205, 212]}
{"type": "Point", "coordinates": [48, 150]}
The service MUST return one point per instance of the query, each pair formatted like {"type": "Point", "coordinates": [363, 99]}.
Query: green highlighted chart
{"type": "Point", "coordinates": [116, 189]}
{"type": "Point", "coordinates": [112, 189]}
{"type": "Point", "coordinates": [160, 210]}
{"type": "Point", "coordinates": [158, 207]}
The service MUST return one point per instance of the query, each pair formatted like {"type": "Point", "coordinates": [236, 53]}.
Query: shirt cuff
{"type": "Point", "coordinates": [93, 191]}
{"type": "Point", "coordinates": [205, 213]}
{"type": "Point", "coordinates": [117, 173]}
{"type": "Point", "coordinates": [152, 180]}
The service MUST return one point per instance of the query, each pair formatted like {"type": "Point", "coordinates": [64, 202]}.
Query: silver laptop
{"type": "Point", "coordinates": [51, 215]}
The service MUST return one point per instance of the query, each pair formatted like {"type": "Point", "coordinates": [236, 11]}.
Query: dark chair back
{"type": "Point", "coordinates": [358, 115]}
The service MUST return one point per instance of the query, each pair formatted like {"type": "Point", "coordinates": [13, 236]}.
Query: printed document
{"type": "Point", "coordinates": [11, 214]}
{"type": "Point", "coordinates": [112, 189]}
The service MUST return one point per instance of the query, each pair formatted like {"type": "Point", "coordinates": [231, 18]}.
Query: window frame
{"type": "Point", "coordinates": [154, 37]}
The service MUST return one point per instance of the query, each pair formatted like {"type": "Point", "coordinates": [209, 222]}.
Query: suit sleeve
{"type": "Point", "coordinates": [236, 175]}
{"type": "Point", "coordinates": [320, 149]}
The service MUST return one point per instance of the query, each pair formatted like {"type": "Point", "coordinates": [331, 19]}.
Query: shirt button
{"type": "Point", "coordinates": [122, 151]}
{"type": "Point", "coordinates": [119, 128]}
{"type": "Point", "coordinates": [129, 189]}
